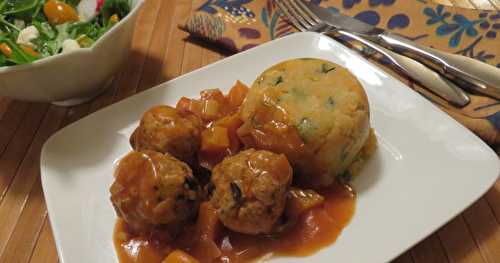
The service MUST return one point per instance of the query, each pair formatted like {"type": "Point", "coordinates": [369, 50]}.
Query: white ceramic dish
{"type": "Point", "coordinates": [75, 77]}
{"type": "Point", "coordinates": [427, 169]}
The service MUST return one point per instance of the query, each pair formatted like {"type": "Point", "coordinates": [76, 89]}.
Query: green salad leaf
{"type": "Point", "coordinates": [37, 14]}
{"type": "Point", "coordinates": [3, 4]}
{"type": "Point", "coordinates": [73, 3]}
{"type": "Point", "coordinates": [45, 29]}
{"type": "Point", "coordinates": [20, 8]}
{"type": "Point", "coordinates": [55, 45]}
{"type": "Point", "coordinates": [85, 41]}
{"type": "Point", "coordinates": [90, 29]}
{"type": "Point", "coordinates": [7, 26]}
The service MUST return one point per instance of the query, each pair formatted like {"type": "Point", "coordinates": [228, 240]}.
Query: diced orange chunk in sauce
{"type": "Point", "coordinates": [211, 109]}
{"type": "Point", "coordinates": [191, 105]}
{"type": "Point", "coordinates": [237, 94]}
{"type": "Point", "coordinates": [184, 104]}
{"type": "Point", "coordinates": [214, 139]}
{"type": "Point", "coordinates": [213, 94]}
{"type": "Point", "coordinates": [179, 256]}
{"type": "Point", "coordinates": [299, 201]}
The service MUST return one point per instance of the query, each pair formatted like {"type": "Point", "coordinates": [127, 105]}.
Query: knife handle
{"type": "Point", "coordinates": [484, 78]}
{"type": "Point", "coordinates": [419, 72]}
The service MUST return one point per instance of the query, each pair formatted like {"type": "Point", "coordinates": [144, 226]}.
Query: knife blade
{"type": "Point", "coordinates": [340, 21]}
{"type": "Point", "coordinates": [477, 76]}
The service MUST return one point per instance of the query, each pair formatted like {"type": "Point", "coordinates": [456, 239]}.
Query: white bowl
{"type": "Point", "coordinates": [72, 78]}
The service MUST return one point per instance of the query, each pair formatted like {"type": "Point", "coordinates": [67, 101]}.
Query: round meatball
{"type": "Point", "coordinates": [249, 190]}
{"type": "Point", "coordinates": [313, 111]}
{"type": "Point", "coordinates": [167, 130]}
{"type": "Point", "coordinates": [152, 188]}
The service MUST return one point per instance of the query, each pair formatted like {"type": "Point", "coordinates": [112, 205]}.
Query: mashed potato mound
{"type": "Point", "coordinates": [313, 111]}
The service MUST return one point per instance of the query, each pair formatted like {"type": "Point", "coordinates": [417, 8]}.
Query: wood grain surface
{"type": "Point", "coordinates": [160, 53]}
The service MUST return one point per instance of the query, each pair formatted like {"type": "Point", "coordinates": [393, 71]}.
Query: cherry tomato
{"type": "Point", "coordinates": [114, 19]}
{"type": "Point", "coordinates": [6, 50]}
{"type": "Point", "coordinates": [29, 50]}
{"type": "Point", "coordinates": [59, 12]}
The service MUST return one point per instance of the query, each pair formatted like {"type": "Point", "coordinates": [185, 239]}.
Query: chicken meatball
{"type": "Point", "coordinates": [249, 190]}
{"type": "Point", "coordinates": [167, 130]}
{"type": "Point", "coordinates": [313, 111]}
{"type": "Point", "coordinates": [152, 188]}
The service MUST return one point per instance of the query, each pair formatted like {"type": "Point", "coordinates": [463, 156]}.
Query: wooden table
{"type": "Point", "coordinates": [160, 54]}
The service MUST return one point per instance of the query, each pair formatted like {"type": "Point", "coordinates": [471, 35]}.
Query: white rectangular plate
{"type": "Point", "coordinates": [427, 169]}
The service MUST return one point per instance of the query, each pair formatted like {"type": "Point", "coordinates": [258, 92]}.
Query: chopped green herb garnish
{"type": "Point", "coordinates": [330, 103]}
{"type": "Point", "coordinates": [305, 128]}
{"type": "Point", "coordinates": [278, 80]}
{"type": "Point", "coordinates": [297, 93]}
{"type": "Point", "coordinates": [236, 192]}
{"type": "Point", "coordinates": [325, 68]}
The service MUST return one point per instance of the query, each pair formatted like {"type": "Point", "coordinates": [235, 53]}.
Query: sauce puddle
{"type": "Point", "coordinates": [315, 229]}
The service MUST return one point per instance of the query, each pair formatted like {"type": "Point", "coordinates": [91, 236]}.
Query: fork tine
{"type": "Point", "coordinates": [292, 15]}
{"type": "Point", "coordinates": [289, 17]}
{"type": "Point", "coordinates": [297, 13]}
{"type": "Point", "coordinates": [303, 12]}
{"type": "Point", "coordinates": [309, 12]}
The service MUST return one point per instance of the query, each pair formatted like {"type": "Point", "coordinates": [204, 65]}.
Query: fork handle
{"type": "Point", "coordinates": [419, 72]}
{"type": "Point", "coordinates": [485, 79]}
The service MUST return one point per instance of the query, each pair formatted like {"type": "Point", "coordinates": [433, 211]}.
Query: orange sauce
{"type": "Point", "coordinates": [315, 229]}
{"type": "Point", "coordinates": [207, 239]}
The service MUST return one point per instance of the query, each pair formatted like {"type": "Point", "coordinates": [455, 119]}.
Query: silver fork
{"type": "Point", "coordinates": [305, 20]}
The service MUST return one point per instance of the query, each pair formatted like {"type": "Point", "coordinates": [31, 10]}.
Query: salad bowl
{"type": "Point", "coordinates": [75, 77]}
